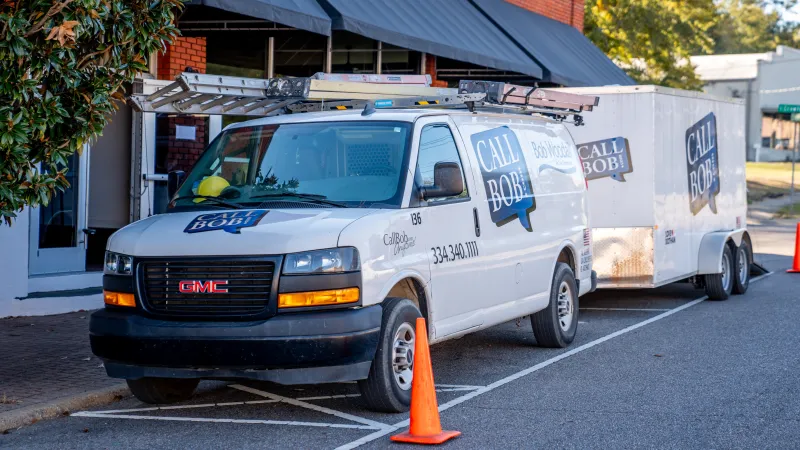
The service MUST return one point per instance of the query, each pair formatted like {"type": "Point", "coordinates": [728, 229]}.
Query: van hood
{"type": "Point", "coordinates": [277, 232]}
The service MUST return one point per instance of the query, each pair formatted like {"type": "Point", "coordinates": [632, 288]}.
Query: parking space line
{"type": "Point", "coordinates": [165, 408]}
{"type": "Point", "coordinates": [311, 406]}
{"type": "Point", "coordinates": [209, 420]}
{"type": "Point", "coordinates": [625, 309]}
{"type": "Point", "coordinates": [457, 386]}
{"type": "Point", "coordinates": [326, 397]}
{"type": "Point", "coordinates": [378, 434]}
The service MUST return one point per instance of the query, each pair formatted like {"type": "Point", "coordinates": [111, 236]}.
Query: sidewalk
{"type": "Point", "coordinates": [47, 369]}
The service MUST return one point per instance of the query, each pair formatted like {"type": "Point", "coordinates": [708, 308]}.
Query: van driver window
{"type": "Point", "coordinates": [436, 144]}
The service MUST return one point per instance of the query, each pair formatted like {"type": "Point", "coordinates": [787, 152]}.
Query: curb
{"type": "Point", "coordinates": [61, 406]}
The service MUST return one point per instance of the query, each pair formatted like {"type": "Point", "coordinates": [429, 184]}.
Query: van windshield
{"type": "Point", "coordinates": [322, 164]}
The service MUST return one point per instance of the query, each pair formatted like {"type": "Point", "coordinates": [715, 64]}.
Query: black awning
{"type": "Point", "coordinates": [452, 29]}
{"type": "Point", "coordinates": [303, 14]}
{"type": "Point", "coordinates": [567, 56]}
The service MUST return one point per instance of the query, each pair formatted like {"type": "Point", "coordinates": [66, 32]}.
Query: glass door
{"type": "Point", "coordinates": [57, 237]}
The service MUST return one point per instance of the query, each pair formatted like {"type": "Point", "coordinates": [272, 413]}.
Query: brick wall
{"type": "Point", "coordinates": [430, 69]}
{"type": "Point", "coordinates": [185, 51]}
{"type": "Point", "coordinates": [565, 11]}
{"type": "Point", "coordinates": [182, 154]}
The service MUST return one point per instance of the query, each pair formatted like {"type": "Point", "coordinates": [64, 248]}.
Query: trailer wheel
{"type": "Point", "coordinates": [388, 387]}
{"type": "Point", "coordinates": [741, 263]}
{"type": "Point", "coordinates": [556, 325]}
{"type": "Point", "coordinates": [162, 390]}
{"type": "Point", "coordinates": [720, 285]}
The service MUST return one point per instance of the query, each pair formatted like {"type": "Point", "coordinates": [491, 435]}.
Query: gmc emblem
{"type": "Point", "coordinates": [202, 287]}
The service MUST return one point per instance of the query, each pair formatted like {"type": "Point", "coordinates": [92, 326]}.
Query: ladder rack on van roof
{"type": "Point", "coordinates": [193, 93]}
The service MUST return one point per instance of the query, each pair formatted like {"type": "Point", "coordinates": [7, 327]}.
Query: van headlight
{"type": "Point", "coordinates": [333, 260]}
{"type": "Point", "coordinates": [117, 264]}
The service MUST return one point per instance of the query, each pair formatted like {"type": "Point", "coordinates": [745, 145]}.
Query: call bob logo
{"type": "Point", "coordinates": [702, 164]}
{"type": "Point", "coordinates": [505, 176]}
{"type": "Point", "coordinates": [230, 221]}
{"type": "Point", "coordinates": [606, 158]}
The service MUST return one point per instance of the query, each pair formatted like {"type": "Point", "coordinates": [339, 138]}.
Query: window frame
{"type": "Point", "coordinates": [415, 201]}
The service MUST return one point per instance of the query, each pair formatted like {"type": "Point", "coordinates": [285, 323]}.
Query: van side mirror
{"type": "Point", "coordinates": [447, 181]}
{"type": "Point", "coordinates": [174, 181]}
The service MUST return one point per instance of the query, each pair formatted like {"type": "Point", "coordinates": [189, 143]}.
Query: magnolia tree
{"type": "Point", "coordinates": [64, 65]}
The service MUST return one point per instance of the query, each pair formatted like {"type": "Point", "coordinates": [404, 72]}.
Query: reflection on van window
{"type": "Point", "coordinates": [436, 144]}
{"type": "Point", "coordinates": [354, 164]}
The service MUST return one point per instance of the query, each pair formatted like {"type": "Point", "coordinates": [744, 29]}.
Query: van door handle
{"type": "Point", "coordinates": [477, 222]}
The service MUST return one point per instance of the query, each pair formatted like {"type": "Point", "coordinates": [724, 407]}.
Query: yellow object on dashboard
{"type": "Point", "coordinates": [211, 187]}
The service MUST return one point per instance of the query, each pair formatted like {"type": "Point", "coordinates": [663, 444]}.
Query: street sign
{"type": "Point", "coordinates": [788, 108]}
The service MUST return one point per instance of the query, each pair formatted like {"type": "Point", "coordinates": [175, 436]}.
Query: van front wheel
{"type": "Point", "coordinates": [388, 387]}
{"type": "Point", "coordinates": [162, 390]}
{"type": "Point", "coordinates": [556, 325]}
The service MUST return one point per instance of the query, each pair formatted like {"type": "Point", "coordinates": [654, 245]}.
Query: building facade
{"type": "Point", "coordinates": [53, 256]}
{"type": "Point", "coordinates": [764, 81]}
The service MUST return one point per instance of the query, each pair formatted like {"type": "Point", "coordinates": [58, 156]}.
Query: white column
{"type": "Point", "coordinates": [379, 59]}
{"type": "Point", "coordinates": [329, 55]}
{"type": "Point", "coordinates": [270, 57]}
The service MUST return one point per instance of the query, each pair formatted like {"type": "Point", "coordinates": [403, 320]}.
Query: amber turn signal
{"type": "Point", "coordinates": [318, 298]}
{"type": "Point", "coordinates": [119, 299]}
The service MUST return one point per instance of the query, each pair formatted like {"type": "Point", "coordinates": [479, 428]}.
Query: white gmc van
{"type": "Point", "coordinates": [301, 249]}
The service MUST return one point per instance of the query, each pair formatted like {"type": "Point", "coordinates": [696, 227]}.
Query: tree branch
{"type": "Point", "coordinates": [55, 9]}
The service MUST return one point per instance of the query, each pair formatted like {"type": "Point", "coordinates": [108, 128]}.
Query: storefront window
{"type": "Point", "coordinates": [235, 53]}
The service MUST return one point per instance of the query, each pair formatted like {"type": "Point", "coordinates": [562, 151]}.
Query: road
{"type": "Point", "coordinates": [660, 368]}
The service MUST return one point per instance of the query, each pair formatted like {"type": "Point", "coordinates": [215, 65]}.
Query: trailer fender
{"type": "Point", "coordinates": [709, 257]}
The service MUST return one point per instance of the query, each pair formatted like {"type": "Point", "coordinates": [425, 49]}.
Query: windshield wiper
{"type": "Point", "coordinates": [217, 200]}
{"type": "Point", "coordinates": [309, 197]}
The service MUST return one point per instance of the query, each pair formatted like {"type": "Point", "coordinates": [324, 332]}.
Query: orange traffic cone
{"type": "Point", "coordinates": [425, 426]}
{"type": "Point", "coordinates": [796, 266]}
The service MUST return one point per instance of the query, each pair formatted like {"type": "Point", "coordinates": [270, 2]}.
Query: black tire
{"type": "Point", "coordinates": [381, 391]}
{"type": "Point", "coordinates": [546, 324]}
{"type": "Point", "coordinates": [743, 257]}
{"type": "Point", "coordinates": [720, 285]}
{"type": "Point", "coordinates": [162, 390]}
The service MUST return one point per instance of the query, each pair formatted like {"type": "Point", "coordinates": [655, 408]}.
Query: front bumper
{"type": "Point", "coordinates": [297, 348]}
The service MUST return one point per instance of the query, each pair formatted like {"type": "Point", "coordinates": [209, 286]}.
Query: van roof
{"type": "Point", "coordinates": [395, 115]}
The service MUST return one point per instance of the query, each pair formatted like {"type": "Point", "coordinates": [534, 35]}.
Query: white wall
{"type": "Point", "coordinates": [747, 90]}
{"type": "Point", "coordinates": [13, 262]}
{"type": "Point", "coordinates": [781, 82]}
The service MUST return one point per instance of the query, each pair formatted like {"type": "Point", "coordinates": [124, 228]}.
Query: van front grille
{"type": "Point", "coordinates": [207, 288]}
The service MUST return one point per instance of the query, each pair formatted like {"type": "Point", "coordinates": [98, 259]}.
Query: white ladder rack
{"type": "Point", "coordinates": [193, 93]}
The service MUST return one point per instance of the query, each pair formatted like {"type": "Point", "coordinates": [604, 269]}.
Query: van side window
{"type": "Point", "coordinates": [436, 144]}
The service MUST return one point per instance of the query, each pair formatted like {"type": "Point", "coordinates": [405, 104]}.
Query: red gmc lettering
{"type": "Point", "coordinates": [202, 287]}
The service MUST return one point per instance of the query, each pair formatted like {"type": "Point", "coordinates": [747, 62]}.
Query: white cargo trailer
{"type": "Point", "coordinates": [666, 171]}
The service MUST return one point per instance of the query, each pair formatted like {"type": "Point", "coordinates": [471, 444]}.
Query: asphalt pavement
{"type": "Point", "coordinates": [653, 368]}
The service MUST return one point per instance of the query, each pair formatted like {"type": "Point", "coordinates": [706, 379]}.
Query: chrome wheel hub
{"type": "Point", "coordinates": [403, 355]}
{"type": "Point", "coordinates": [726, 271]}
{"type": "Point", "coordinates": [566, 306]}
{"type": "Point", "coordinates": [743, 268]}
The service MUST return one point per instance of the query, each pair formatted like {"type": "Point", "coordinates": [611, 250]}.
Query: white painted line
{"type": "Point", "coordinates": [378, 434]}
{"type": "Point", "coordinates": [625, 309]}
{"type": "Point", "coordinates": [312, 407]}
{"type": "Point", "coordinates": [327, 397]}
{"type": "Point", "coordinates": [248, 421]}
{"type": "Point", "coordinates": [163, 408]}
{"type": "Point", "coordinates": [465, 386]}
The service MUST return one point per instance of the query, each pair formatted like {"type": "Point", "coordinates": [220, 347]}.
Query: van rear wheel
{"type": "Point", "coordinates": [556, 325]}
{"type": "Point", "coordinates": [162, 390]}
{"type": "Point", "coordinates": [720, 285]}
{"type": "Point", "coordinates": [388, 387]}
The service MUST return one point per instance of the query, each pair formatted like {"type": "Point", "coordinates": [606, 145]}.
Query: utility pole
{"type": "Point", "coordinates": [794, 158]}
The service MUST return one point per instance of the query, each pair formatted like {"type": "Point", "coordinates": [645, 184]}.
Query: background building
{"type": "Point", "coordinates": [53, 255]}
{"type": "Point", "coordinates": [764, 81]}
